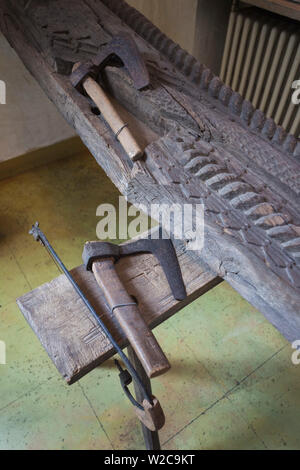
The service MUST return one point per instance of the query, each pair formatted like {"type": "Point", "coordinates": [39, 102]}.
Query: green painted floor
{"type": "Point", "coordinates": [232, 384]}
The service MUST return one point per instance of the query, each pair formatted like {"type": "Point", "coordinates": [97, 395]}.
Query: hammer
{"type": "Point", "coordinates": [121, 50]}
{"type": "Point", "coordinates": [100, 258]}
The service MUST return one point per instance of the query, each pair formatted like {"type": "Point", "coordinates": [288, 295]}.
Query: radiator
{"type": "Point", "coordinates": [261, 61]}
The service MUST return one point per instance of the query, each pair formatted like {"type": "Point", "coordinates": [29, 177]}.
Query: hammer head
{"type": "Point", "coordinates": [121, 50]}
{"type": "Point", "coordinates": [162, 249]}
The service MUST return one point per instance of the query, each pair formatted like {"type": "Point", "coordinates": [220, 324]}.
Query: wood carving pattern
{"type": "Point", "coordinates": [81, 41]}
{"type": "Point", "coordinates": [212, 146]}
{"type": "Point", "coordinates": [70, 40]}
{"type": "Point", "coordinates": [271, 158]}
{"type": "Point", "coordinates": [249, 214]}
{"type": "Point", "coordinates": [202, 76]}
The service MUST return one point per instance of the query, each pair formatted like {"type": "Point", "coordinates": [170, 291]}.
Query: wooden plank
{"type": "Point", "coordinates": [66, 328]}
{"type": "Point", "coordinates": [151, 438]}
{"type": "Point", "coordinates": [211, 147]}
{"type": "Point", "coordinates": [290, 9]}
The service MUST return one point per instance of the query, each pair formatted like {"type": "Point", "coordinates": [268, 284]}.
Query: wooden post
{"type": "Point", "coordinates": [151, 437]}
{"type": "Point", "coordinates": [210, 32]}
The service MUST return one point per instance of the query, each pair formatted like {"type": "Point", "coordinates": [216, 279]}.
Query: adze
{"type": "Point", "coordinates": [85, 76]}
{"type": "Point", "coordinates": [149, 411]}
{"type": "Point", "coordinates": [100, 257]}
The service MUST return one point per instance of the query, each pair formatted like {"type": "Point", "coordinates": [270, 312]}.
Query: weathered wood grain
{"type": "Point", "coordinates": [208, 85]}
{"type": "Point", "coordinates": [130, 319]}
{"type": "Point", "coordinates": [289, 8]}
{"type": "Point", "coordinates": [211, 147]}
{"type": "Point", "coordinates": [66, 328]}
{"type": "Point", "coordinates": [151, 438]}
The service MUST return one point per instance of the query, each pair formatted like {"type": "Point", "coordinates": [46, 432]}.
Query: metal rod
{"type": "Point", "coordinates": [40, 236]}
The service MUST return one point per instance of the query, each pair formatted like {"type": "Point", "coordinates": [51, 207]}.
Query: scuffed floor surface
{"type": "Point", "coordinates": [232, 384]}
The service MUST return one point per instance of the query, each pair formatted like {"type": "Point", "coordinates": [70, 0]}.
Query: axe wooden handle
{"type": "Point", "coordinates": [138, 333]}
{"type": "Point", "coordinates": [118, 126]}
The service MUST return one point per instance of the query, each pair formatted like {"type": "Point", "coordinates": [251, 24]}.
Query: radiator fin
{"type": "Point", "coordinates": [261, 60]}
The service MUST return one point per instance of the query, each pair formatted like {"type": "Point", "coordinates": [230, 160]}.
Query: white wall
{"type": "Point", "coordinates": [28, 120]}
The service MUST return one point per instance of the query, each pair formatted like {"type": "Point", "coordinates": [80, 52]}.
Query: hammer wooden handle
{"type": "Point", "coordinates": [138, 333]}
{"type": "Point", "coordinates": [111, 116]}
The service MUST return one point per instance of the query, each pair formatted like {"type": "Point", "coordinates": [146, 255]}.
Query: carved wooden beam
{"type": "Point", "coordinates": [211, 146]}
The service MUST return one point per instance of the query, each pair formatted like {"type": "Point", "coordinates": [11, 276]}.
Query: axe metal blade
{"type": "Point", "coordinates": [125, 48]}
{"type": "Point", "coordinates": [165, 252]}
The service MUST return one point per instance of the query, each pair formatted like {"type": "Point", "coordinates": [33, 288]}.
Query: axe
{"type": "Point", "coordinates": [121, 50]}
{"type": "Point", "coordinates": [147, 408]}
{"type": "Point", "coordinates": [100, 258]}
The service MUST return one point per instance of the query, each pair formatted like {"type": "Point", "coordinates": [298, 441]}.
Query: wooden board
{"type": "Point", "coordinates": [211, 146]}
{"type": "Point", "coordinates": [288, 8]}
{"type": "Point", "coordinates": [66, 328]}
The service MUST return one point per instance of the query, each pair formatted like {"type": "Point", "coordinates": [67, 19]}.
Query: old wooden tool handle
{"type": "Point", "coordinates": [152, 416]}
{"type": "Point", "coordinates": [134, 326]}
{"type": "Point", "coordinates": [118, 126]}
